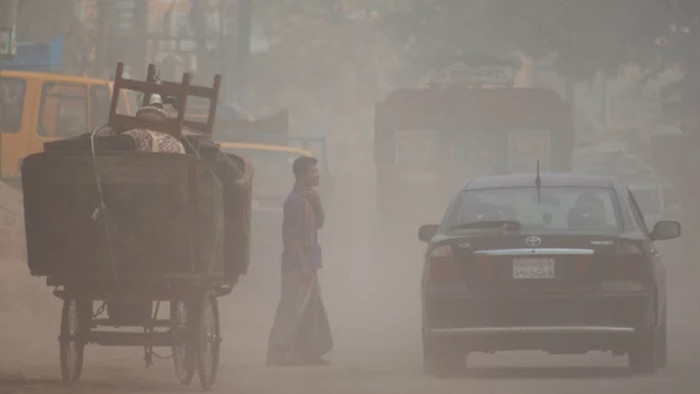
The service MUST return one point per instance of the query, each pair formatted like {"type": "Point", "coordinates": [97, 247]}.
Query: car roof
{"type": "Point", "coordinates": [548, 179]}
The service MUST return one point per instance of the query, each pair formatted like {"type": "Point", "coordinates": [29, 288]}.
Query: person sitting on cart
{"type": "Point", "coordinates": [301, 334]}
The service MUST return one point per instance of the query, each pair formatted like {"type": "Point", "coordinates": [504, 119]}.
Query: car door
{"type": "Point", "coordinates": [653, 253]}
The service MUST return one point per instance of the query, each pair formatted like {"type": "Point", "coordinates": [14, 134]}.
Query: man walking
{"type": "Point", "coordinates": [301, 334]}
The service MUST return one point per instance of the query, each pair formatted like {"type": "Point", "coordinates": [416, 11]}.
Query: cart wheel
{"type": "Point", "coordinates": [74, 323]}
{"type": "Point", "coordinates": [183, 354]}
{"type": "Point", "coordinates": [208, 340]}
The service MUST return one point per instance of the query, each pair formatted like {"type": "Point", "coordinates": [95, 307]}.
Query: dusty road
{"type": "Point", "coordinates": [374, 311]}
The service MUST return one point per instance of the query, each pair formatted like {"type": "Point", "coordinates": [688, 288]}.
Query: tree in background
{"type": "Point", "coordinates": [335, 58]}
{"type": "Point", "coordinates": [327, 62]}
{"type": "Point", "coordinates": [57, 19]}
{"type": "Point", "coordinates": [585, 36]}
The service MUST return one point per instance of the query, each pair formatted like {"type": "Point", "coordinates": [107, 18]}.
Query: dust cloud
{"type": "Point", "coordinates": [329, 63]}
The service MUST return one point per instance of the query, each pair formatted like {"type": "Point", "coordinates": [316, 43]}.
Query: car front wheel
{"type": "Point", "coordinates": [662, 352]}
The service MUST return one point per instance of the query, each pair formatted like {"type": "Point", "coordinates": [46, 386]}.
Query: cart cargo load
{"type": "Point", "coordinates": [142, 211]}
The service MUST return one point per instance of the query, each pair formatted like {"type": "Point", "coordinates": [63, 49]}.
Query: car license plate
{"type": "Point", "coordinates": [531, 268]}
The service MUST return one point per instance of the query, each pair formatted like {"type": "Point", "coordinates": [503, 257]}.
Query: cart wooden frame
{"type": "Point", "coordinates": [191, 328]}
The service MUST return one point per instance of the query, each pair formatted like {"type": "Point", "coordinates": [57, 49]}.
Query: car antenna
{"type": "Point", "coordinates": [538, 183]}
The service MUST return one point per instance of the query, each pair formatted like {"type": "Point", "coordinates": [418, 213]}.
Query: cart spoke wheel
{"type": "Point", "coordinates": [74, 320]}
{"type": "Point", "coordinates": [208, 340]}
{"type": "Point", "coordinates": [184, 353]}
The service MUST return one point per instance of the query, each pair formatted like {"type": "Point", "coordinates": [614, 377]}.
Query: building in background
{"type": "Point", "coordinates": [203, 36]}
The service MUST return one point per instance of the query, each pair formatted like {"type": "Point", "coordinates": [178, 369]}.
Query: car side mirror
{"type": "Point", "coordinates": [666, 230]}
{"type": "Point", "coordinates": [427, 232]}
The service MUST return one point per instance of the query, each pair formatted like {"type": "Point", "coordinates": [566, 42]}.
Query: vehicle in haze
{"type": "Point", "coordinates": [273, 146]}
{"type": "Point", "coordinates": [316, 144]}
{"type": "Point", "coordinates": [675, 157]}
{"type": "Point", "coordinates": [657, 199]}
{"type": "Point", "coordinates": [268, 136]}
{"type": "Point", "coordinates": [612, 164]}
{"type": "Point", "coordinates": [273, 183]}
{"type": "Point", "coordinates": [656, 195]}
{"type": "Point", "coordinates": [561, 263]}
{"type": "Point", "coordinates": [39, 107]}
{"type": "Point", "coordinates": [428, 140]}
{"type": "Point", "coordinates": [604, 149]}
{"type": "Point", "coordinates": [273, 172]}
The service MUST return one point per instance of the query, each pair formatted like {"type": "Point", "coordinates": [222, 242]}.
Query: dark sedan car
{"type": "Point", "coordinates": [561, 263]}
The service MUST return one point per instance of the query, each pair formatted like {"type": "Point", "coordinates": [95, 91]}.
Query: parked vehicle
{"type": "Point", "coordinates": [39, 107]}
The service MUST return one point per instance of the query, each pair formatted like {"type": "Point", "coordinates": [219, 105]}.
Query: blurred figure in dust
{"type": "Point", "coordinates": [301, 334]}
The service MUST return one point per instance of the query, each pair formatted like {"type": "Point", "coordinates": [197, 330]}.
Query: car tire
{"type": "Point", "coordinates": [442, 360]}
{"type": "Point", "coordinates": [662, 348]}
{"type": "Point", "coordinates": [643, 356]}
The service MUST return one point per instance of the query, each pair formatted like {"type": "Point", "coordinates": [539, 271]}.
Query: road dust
{"type": "Point", "coordinates": [370, 284]}
{"type": "Point", "coordinates": [373, 304]}
{"type": "Point", "coordinates": [329, 75]}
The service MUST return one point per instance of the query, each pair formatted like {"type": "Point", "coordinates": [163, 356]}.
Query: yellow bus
{"type": "Point", "coordinates": [39, 107]}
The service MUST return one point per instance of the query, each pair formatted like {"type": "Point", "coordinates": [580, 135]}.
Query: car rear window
{"type": "Point", "coordinates": [558, 209]}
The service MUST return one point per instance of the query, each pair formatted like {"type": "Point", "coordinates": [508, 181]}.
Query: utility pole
{"type": "Point", "coordinates": [105, 41]}
{"type": "Point", "coordinates": [8, 21]}
{"type": "Point", "coordinates": [198, 18]}
{"type": "Point", "coordinates": [244, 26]}
{"type": "Point", "coordinates": [142, 39]}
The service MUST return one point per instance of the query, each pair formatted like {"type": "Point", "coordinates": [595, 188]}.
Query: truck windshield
{"type": "Point", "coordinates": [471, 153]}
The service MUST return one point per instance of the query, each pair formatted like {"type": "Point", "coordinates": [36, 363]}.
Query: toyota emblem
{"type": "Point", "coordinates": [533, 241]}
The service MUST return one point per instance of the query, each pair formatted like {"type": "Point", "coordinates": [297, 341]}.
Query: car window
{"type": "Point", "coordinates": [638, 216]}
{"type": "Point", "coordinates": [100, 98]}
{"type": "Point", "coordinates": [12, 95]}
{"type": "Point", "coordinates": [557, 209]}
{"type": "Point", "coordinates": [63, 112]}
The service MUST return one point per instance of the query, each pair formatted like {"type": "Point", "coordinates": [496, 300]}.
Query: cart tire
{"type": "Point", "coordinates": [208, 340]}
{"type": "Point", "coordinates": [184, 355]}
{"type": "Point", "coordinates": [75, 320]}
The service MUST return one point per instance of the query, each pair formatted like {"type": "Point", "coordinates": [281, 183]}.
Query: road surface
{"type": "Point", "coordinates": [373, 305]}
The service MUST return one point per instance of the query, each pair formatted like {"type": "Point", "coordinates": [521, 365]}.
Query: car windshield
{"type": "Point", "coordinates": [477, 152]}
{"type": "Point", "coordinates": [556, 210]}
